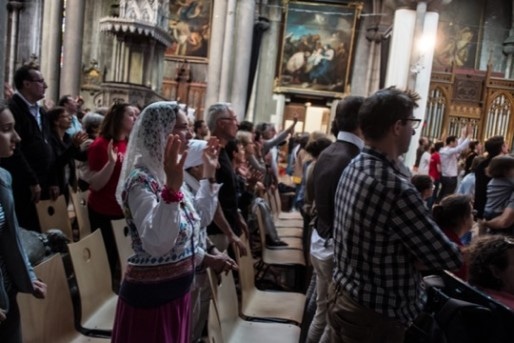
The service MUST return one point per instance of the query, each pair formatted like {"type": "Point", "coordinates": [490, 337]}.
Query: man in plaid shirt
{"type": "Point", "coordinates": [383, 234]}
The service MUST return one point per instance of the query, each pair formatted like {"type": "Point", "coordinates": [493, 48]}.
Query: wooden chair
{"type": "Point", "coordinates": [294, 215]}
{"type": "Point", "coordinates": [123, 242]}
{"type": "Point", "coordinates": [79, 201]}
{"type": "Point", "coordinates": [51, 320]}
{"type": "Point", "coordinates": [54, 215]}
{"type": "Point", "coordinates": [214, 325]}
{"type": "Point", "coordinates": [294, 242]}
{"type": "Point", "coordinates": [93, 276]}
{"type": "Point", "coordinates": [271, 305]}
{"type": "Point", "coordinates": [236, 330]}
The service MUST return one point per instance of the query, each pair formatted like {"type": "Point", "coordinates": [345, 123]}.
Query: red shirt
{"type": "Point", "coordinates": [104, 200]}
{"type": "Point", "coordinates": [435, 160]}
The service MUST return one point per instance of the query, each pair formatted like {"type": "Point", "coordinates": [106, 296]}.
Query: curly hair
{"type": "Point", "coordinates": [486, 253]}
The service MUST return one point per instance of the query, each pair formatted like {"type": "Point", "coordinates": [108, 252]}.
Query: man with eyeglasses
{"type": "Point", "coordinates": [449, 158]}
{"type": "Point", "coordinates": [32, 160]}
{"type": "Point", "coordinates": [384, 236]}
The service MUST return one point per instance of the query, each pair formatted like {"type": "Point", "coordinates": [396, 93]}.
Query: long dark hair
{"type": "Point", "coordinates": [111, 125]}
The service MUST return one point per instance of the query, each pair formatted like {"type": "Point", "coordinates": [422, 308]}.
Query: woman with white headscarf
{"type": "Point", "coordinates": [164, 220]}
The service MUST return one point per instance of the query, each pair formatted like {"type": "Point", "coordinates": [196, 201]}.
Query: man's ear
{"type": "Point", "coordinates": [397, 127]}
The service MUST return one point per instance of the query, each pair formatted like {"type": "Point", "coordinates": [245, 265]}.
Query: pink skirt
{"type": "Point", "coordinates": [168, 323]}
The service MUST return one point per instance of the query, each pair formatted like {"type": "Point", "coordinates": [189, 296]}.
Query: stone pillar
{"type": "Point", "coordinates": [422, 83]}
{"type": "Point", "coordinates": [227, 61]}
{"type": "Point", "coordinates": [215, 53]}
{"type": "Point", "coordinates": [51, 47]}
{"type": "Point", "coordinates": [398, 68]}
{"type": "Point", "coordinates": [245, 22]}
{"type": "Point", "coordinates": [72, 47]}
{"type": "Point", "coordinates": [416, 54]}
{"type": "Point", "coordinates": [264, 106]}
{"type": "Point", "coordinates": [14, 8]}
{"type": "Point", "coordinates": [3, 42]}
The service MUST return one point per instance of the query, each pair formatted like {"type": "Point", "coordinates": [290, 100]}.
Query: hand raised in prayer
{"type": "Point", "coordinates": [112, 153]}
{"type": "Point", "coordinates": [79, 138]}
{"type": "Point", "coordinates": [173, 167]}
{"type": "Point", "coordinates": [210, 157]}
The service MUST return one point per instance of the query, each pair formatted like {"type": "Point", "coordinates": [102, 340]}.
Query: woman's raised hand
{"type": "Point", "coordinates": [112, 153]}
{"type": "Point", "coordinates": [173, 167]}
{"type": "Point", "coordinates": [210, 157]}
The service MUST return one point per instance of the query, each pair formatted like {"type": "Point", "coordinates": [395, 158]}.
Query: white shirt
{"type": "Point", "coordinates": [449, 157]}
{"type": "Point", "coordinates": [424, 163]}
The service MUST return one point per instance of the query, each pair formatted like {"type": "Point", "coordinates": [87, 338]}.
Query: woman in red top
{"type": "Point", "coordinates": [105, 157]}
{"type": "Point", "coordinates": [434, 170]}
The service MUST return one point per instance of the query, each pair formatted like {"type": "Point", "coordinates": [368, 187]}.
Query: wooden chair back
{"type": "Point", "coordinates": [54, 215]}
{"type": "Point", "coordinates": [94, 283]}
{"type": "Point", "coordinates": [123, 242]}
{"type": "Point", "coordinates": [214, 325]}
{"type": "Point", "coordinates": [50, 320]}
{"type": "Point", "coordinates": [79, 201]}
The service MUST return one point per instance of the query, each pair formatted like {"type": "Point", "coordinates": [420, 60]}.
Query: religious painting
{"type": "Point", "coordinates": [317, 46]}
{"type": "Point", "coordinates": [458, 34]}
{"type": "Point", "coordinates": [189, 24]}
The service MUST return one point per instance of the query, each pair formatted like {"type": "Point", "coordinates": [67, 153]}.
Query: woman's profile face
{"type": "Point", "coordinates": [181, 129]}
{"type": "Point", "coordinates": [8, 135]}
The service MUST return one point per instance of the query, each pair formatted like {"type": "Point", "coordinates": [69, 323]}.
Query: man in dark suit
{"type": "Point", "coordinates": [32, 160]}
{"type": "Point", "coordinates": [334, 159]}
{"type": "Point", "coordinates": [327, 171]}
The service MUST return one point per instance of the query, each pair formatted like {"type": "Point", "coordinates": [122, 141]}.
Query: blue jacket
{"type": "Point", "coordinates": [18, 266]}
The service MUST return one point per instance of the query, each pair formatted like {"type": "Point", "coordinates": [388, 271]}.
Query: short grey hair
{"type": "Point", "coordinates": [92, 119]}
{"type": "Point", "coordinates": [217, 111]}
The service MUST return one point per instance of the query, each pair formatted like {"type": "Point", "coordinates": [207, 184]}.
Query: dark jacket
{"type": "Point", "coordinates": [33, 158]}
{"type": "Point", "coordinates": [327, 171]}
{"type": "Point", "coordinates": [65, 155]}
{"type": "Point", "coordinates": [18, 266]}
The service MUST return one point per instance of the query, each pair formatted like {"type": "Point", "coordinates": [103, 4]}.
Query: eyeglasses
{"type": "Point", "coordinates": [415, 122]}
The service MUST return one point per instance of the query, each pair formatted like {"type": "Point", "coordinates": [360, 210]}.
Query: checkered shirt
{"type": "Point", "coordinates": [381, 229]}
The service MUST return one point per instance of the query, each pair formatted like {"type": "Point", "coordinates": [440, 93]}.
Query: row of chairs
{"type": "Point", "coordinates": [53, 318]}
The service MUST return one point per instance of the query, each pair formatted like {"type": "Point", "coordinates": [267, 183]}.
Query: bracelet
{"type": "Point", "coordinates": [170, 196]}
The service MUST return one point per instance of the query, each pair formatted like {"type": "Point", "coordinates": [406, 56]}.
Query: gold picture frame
{"type": "Point", "coordinates": [317, 48]}
{"type": "Point", "coordinates": [190, 26]}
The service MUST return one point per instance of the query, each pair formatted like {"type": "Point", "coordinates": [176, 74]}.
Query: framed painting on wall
{"type": "Point", "coordinates": [458, 35]}
{"type": "Point", "coordinates": [189, 24]}
{"type": "Point", "coordinates": [317, 48]}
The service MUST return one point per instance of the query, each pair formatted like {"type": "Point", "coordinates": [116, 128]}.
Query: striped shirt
{"type": "Point", "coordinates": [381, 229]}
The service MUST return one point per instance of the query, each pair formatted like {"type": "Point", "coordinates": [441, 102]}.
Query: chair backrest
{"type": "Point", "coordinates": [123, 242]}
{"type": "Point", "coordinates": [502, 316]}
{"type": "Point", "coordinates": [246, 271]}
{"type": "Point", "coordinates": [214, 325]}
{"type": "Point", "coordinates": [54, 215]}
{"type": "Point", "coordinates": [79, 200]}
{"type": "Point", "coordinates": [50, 319]}
{"type": "Point", "coordinates": [225, 298]}
{"type": "Point", "coordinates": [92, 272]}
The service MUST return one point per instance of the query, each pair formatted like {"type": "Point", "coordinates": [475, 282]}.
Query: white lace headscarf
{"type": "Point", "coordinates": [147, 142]}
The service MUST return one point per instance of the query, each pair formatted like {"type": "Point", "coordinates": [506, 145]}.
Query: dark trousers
{"type": "Point", "coordinates": [448, 186]}
{"type": "Point", "coordinates": [10, 329]}
{"type": "Point", "coordinates": [103, 222]}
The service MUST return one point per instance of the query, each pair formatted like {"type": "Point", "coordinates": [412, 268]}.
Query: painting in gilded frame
{"type": "Point", "coordinates": [190, 25]}
{"type": "Point", "coordinates": [317, 47]}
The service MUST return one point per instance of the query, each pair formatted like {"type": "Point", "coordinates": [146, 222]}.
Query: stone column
{"type": "Point", "coordinates": [14, 8]}
{"type": "Point", "coordinates": [3, 42]}
{"type": "Point", "coordinates": [416, 54]}
{"type": "Point", "coordinates": [215, 53]}
{"type": "Point", "coordinates": [422, 82]}
{"type": "Point", "coordinates": [51, 47]}
{"type": "Point", "coordinates": [398, 68]}
{"type": "Point", "coordinates": [227, 60]}
{"type": "Point", "coordinates": [72, 47]}
{"type": "Point", "coordinates": [264, 106]}
{"type": "Point", "coordinates": [245, 22]}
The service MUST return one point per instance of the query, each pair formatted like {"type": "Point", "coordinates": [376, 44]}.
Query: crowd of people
{"type": "Point", "coordinates": [372, 228]}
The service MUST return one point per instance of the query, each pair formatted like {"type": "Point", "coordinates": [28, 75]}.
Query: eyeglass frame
{"type": "Point", "coordinates": [416, 122]}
